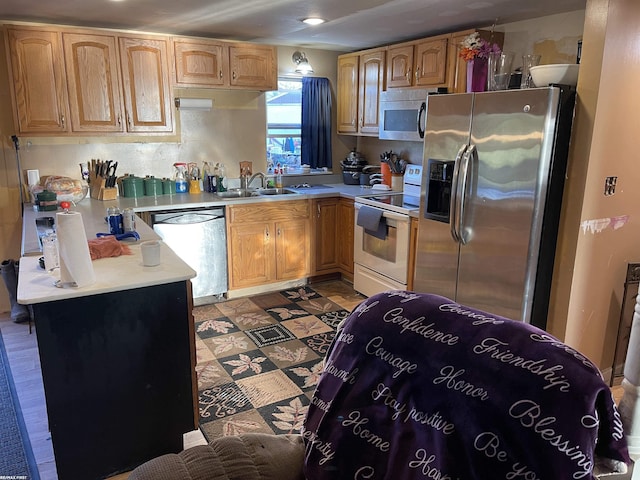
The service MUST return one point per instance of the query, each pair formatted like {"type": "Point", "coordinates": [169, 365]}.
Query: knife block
{"type": "Point", "coordinates": [99, 191]}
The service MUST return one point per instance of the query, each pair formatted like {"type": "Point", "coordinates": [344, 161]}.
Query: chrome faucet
{"type": "Point", "coordinates": [258, 174]}
{"type": "Point", "coordinates": [243, 179]}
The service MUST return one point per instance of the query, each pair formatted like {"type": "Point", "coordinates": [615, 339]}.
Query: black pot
{"type": "Point", "coordinates": [351, 178]}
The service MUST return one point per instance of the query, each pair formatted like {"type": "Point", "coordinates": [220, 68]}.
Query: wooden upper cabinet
{"type": "Point", "coordinates": [400, 66]}
{"type": "Point", "coordinates": [253, 66]}
{"type": "Point", "coordinates": [146, 84]}
{"type": "Point", "coordinates": [38, 80]}
{"type": "Point", "coordinates": [95, 102]}
{"type": "Point", "coordinates": [422, 63]}
{"type": "Point", "coordinates": [371, 83]}
{"type": "Point", "coordinates": [201, 63]}
{"type": "Point", "coordinates": [347, 92]}
{"type": "Point", "coordinates": [430, 62]}
{"type": "Point", "coordinates": [360, 81]}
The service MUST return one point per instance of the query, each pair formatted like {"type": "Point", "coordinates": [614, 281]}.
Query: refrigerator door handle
{"type": "Point", "coordinates": [470, 153]}
{"type": "Point", "coordinates": [453, 201]}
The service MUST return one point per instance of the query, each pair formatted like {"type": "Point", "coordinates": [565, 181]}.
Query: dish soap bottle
{"type": "Point", "coordinates": [181, 181]}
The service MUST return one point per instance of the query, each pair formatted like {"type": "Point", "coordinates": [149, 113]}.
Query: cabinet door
{"type": "Point", "coordinates": [431, 62]}
{"type": "Point", "coordinates": [201, 63]}
{"type": "Point", "coordinates": [344, 239]}
{"type": "Point", "coordinates": [92, 75]}
{"type": "Point", "coordinates": [371, 83]}
{"type": "Point", "coordinates": [292, 249]}
{"type": "Point", "coordinates": [347, 88]}
{"type": "Point", "coordinates": [325, 232]}
{"type": "Point", "coordinates": [38, 81]}
{"type": "Point", "coordinates": [145, 80]}
{"type": "Point", "coordinates": [253, 67]}
{"type": "Point", "coordinates": [457, 67]}
{"type": "Point", "coordinates": [250, 254]}
{"type": "Point", "coordinates": [399, 66]}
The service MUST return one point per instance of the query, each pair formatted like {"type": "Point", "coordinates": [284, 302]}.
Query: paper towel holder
{"type": "Point", "coordinates": [193, 103]}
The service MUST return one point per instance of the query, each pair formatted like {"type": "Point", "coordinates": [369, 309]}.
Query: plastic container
{"type": "Point", "coordinates": [182, 186]}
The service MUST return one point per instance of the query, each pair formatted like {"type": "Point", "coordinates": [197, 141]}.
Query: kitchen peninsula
{"type": "Point", "coordinates": [117, 356]}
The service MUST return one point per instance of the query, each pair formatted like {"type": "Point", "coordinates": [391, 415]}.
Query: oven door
{"type": "Point", "coordinates": [388, 256]}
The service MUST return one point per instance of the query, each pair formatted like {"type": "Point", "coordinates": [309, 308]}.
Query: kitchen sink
{"type": "Point", "coordinates": [274, 191]}
{"type": "Point", "coordinates": [238, 193]}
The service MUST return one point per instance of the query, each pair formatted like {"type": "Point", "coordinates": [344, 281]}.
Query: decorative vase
{"type": "Point", "coordinates": [477, 75]}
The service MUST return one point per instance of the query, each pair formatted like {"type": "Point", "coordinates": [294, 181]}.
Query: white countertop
{"type": "Point", "coordinates": [113, 274]}
{"type": "Point", "coordinates": [126, 272]}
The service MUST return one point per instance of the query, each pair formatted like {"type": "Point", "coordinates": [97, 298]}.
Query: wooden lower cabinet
{"type": "Point", "coordinates": [333, 236]}
{"type": "Point", "coordinates": [344, 241]}
{"type": "Point", "coordinates": [325, 225]}
{"type": "Point", "coordinates": [268, 243]}
{"type": "Point", "coordinates": [413, 248]}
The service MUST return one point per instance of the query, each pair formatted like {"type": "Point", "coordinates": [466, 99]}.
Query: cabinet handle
{"type": "Point", "coordinates": [129, 119]}
{"type": "Point", "coordinates": [279, 232]}
{"type": "Point", "coordinates": [119, 120]}
{"type": "Point", "coordinates": [62, 120]}
{"type": "Point", "coordinates": [233, 75]}
{"type": "Point", "coordinates": [266, 232]}
{"type": "Point", "coordinates": [220, 74]}
{"type": "Point", "coordinates": [409, 75]}
{"type": "Point", "coordinates": [318, 208]}
{"type": "Point", "coordinates": [417, 73]}
{"type": "Point", "coordinates": [362, 121]}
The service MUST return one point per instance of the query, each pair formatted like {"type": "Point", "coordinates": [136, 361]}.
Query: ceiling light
{"type": "Point", "coordinates": [314, 21]}
{"type": "Point", "coordinates": [303, 66]}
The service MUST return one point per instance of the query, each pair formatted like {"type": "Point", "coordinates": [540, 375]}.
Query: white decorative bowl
{"type": "Point", "coordinates": [562, 73]}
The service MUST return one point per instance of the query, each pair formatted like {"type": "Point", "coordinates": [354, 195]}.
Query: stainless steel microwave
{"type": "Point", "coordinates": [402, 113]}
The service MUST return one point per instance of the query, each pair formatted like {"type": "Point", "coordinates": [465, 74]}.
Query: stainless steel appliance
{"type": "Point", "coordinates": [494, 166]}
{"type": "Point", "coordinates": [402, 113]}
{"type": "Point", "coordinates": [382, 256]}
{"type": "Point", "coordinates": [199, 238]}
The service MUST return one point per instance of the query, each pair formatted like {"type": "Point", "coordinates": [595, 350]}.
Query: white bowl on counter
{"type": "Point", "coordinates": [559, 73]}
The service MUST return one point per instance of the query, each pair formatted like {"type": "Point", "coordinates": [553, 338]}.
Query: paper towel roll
{"type": "Point", "coordinates": [73, 250]}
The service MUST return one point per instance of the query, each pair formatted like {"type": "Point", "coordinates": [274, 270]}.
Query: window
{"type": "Point", "coordinates": [284, 114]}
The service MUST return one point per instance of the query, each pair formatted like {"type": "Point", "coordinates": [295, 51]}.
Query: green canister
{"type": "Point", "coordinates": [152, 186]}
{"type": "Point", "coordinates": [133, 186]}
{"type": "Point", "coordinates": [168, 186]}
{"type": "Point", "coordinates": [47, 201]}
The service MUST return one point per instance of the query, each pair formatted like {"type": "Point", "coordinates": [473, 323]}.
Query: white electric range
{"type": "Point", "coordinates": [382, 236]}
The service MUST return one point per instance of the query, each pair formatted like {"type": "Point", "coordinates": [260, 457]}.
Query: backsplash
{"type": "Point", "coordinates": [233, 131]}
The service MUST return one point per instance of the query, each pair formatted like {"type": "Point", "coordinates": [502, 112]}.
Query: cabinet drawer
{"type": "Point", "coordinates": [272, 211]}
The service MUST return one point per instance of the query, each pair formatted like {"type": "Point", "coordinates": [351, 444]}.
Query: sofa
{"type": "Point", "coordinates": [249, 456]}
{"type": "Point", "coordinates": [417, 386]}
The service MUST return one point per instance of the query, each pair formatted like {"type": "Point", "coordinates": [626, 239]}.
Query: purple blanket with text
{"type": "Point", "coordinates": [416, 386]}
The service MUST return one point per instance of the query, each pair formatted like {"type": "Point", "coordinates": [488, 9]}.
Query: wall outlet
{"type": "Point", "coordinates": [610, 186]}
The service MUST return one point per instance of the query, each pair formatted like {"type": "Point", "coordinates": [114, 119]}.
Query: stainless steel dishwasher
{"type": "Point", "coordinates": [198, 237]}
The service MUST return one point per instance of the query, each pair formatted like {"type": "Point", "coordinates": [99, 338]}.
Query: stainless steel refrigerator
{"type": "Point", "coordinates": [493, 174]}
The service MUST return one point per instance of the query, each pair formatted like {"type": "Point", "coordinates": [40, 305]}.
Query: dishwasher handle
{"type": "Point", "coordinates": [185, 218]}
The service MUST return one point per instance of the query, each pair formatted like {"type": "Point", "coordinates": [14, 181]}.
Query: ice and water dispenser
{"type": "Point", "coordinates": [438, 189]}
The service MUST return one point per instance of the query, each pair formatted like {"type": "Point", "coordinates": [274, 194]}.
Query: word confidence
{"type": "Point", "coordinates": [394, 316]}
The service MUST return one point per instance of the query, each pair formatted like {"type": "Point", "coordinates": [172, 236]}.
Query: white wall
{"type": "Point", "coordinates": [554, 37]}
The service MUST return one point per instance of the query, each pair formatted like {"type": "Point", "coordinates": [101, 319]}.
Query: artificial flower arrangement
{"type": "Point", "coordinates": [473, 46]}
